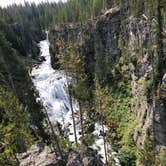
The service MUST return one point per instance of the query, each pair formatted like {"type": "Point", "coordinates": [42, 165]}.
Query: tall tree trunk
{"type": "Point", "coordinates": [104, 140]}
{"type": "Point", "coordinates": [70, 98]}
{"type": "Point", "coordinates": [74, 123]}
{"type": "Point", "coordinates": [159, 69]}
{"type": "Point", "coordinates": [81, 118]}
{"type": "Point", "coordinates": [54, 137]}
{"type": "Point", "coordinates": [17, 161]}
{"type": "Point", "coordinates": [161, 57]}
{"type": "Point", "coordinates": [71, 106]}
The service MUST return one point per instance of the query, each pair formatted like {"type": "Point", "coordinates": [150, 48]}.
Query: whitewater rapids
{"type": "Point", "coordinates": [52, 87]}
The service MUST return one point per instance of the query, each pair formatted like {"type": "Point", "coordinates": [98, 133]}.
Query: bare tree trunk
{"type": "Point", "coordinates": [81, 119]}
{"type": "Point", "coordinates": [17, 161]}
{"type": "Point", "coordinates": [71, 106]}
{"type": "Point", "coordinates": [70, 99]}
{"type": "Point", "coordinates": [74, 123]}
{"type": "Point", "coordinates": [104, 140]}
{"type": "Point", "coordinates": [54, 137]}
{"type": "Point", "coordinates": [160, 39]}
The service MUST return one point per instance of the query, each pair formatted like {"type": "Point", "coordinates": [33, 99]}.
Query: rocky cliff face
{"type": "Point", "coordinates": [66, 33]}
{"type": "Point", "coordinates": [142, 42]}
{"type": "Point", "coordinates": [148, 109]}
{"type": "Point", "coordinates": [98, 42]}
{"type": "Point", "coordinates": [139, 30]}
{"type": "Point", "coordinates": [107, 31]}
{"type": "Point", "coordinates": [106, 37]}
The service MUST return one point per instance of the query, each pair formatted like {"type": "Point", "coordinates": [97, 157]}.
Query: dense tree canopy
{"type": "Point", "coordinates": [101, 82]}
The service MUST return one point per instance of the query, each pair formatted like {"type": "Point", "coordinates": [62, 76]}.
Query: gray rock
{"type": "Point", "coordinates": [74, 159]}
{"type": "Point", "coordinates": [39, 155]}
{"type": "Point", "coordinates": [90, 158]}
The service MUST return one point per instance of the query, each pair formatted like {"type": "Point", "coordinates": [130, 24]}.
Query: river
{"type": "Point", "coordinates": [51, 85]}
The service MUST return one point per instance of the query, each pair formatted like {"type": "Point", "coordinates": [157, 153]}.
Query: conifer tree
{"type": "Point", "coordinates": [101, 104]}
{"type": "Point", "coordinates": [64, 57]}
{"type": "Point", "coordinates": [15, 135]}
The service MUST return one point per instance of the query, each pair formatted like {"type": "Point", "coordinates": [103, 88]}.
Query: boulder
{"type": "Point", "coordinates": [74, 159]}
{"type": "Point", "coordinates": [91, 158]}
{"type": "Point", "coordinates": [39, 155]}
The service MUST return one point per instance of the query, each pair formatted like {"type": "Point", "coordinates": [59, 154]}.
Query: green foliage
{"type": "Point", "coordinates": [15, 78]}
{"type": "Point", "coordinates": [103, 67]}
{"type": "Point", "coordinates": [14, 127]}
{"type": "Point", "coordinates": [148, 7]}
{"type": "Point", "coordinates": [148, 88]}
{"type": "Point", "coordinates": [118, 102]}
{"type": "Point", "coordinates": [21, 30]}
{"type": "Point", "coordinates": [63, 141]}
{"type": "Point", "coordinates": [128, 150]}
{"type": "Point", "coordinates": [127, 156]}
{"type": "Point", "coordinates": [113, 77]}
{"type": "Point", "coordinates": [78, 11]}
{"type": "Point", "coordinates": [73, 63]}
{"type": "Point", "coordinates": [146, 155]}
{"type": "Point", "coordinates": [161, 158]}
{"type": "Point", "coordinates": [22, 26]}
{"type": "Point", "coordinates": [115, 102]}
{"type": "Point", "coordinates": [35, 18]}
{"type": "Point", "coordinates": [88, 140]}
{"type": "Point", "coordinates": [7, 160]}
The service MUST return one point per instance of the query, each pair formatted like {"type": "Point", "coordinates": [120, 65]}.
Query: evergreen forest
{"type": "Point", "coordinates": [107, 69]}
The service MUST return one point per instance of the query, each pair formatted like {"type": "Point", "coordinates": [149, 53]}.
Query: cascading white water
{"type": "Point", "coordinates": [51, 85]}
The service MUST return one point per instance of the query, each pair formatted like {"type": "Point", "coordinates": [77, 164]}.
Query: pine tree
{"type": "Point", "coordinates": [101, 104]}
{"type": "Point", "coordinates": [14, 127]}
{"type": "Point", "coordinates": [64, 58]}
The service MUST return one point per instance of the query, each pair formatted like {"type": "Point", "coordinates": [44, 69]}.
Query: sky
{"type": "Point", "coordinates": [4, 3]}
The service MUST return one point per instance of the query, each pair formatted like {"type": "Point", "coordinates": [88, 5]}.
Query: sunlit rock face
{"type": "Point", "coordinates": [150, 111]}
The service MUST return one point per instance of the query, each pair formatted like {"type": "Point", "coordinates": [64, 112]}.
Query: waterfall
{"type": "Point", "coordinates": [51, 85]}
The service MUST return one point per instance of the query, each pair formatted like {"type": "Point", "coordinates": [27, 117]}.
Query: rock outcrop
{"type": "Point", "coordinates": [38, 155]}
{"type": "Point", "coordinates": [41, 155]}
{"type": "Point", "coordinates": [100, 39]}
{"type": "Point", "coordinates": [149, 110]}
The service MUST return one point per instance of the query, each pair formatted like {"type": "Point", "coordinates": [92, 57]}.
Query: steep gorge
{"type": "Point", "coordinates": [109, 59]}
{"type": "Point", "coordinates": [124, 51]}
